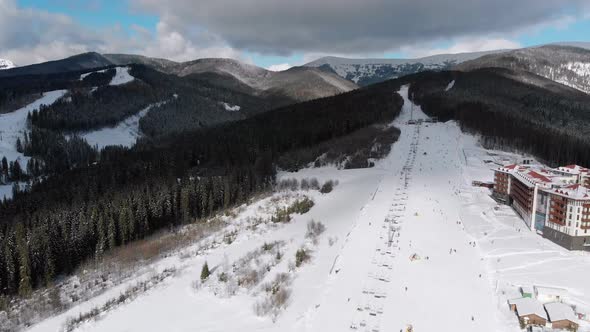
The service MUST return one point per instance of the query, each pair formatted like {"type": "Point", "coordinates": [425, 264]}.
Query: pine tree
{"type": "Point", "coordinates": [19, 145]}
{"type": "Point", "coordinates": [111, 233]}
{"type": "Point", "coordinates": [205, 272]}
{"type": "Point", "coordinates": [4, 169]}
{"type": "Point", "coordinates": [24, 268]}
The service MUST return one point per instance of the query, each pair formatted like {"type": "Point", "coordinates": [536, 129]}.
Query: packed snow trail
{"type": "Point", "coordinates": [415, 281]}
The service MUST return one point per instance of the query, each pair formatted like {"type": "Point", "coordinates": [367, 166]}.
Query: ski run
{"type": "Point", "coordinates": [407, 243]}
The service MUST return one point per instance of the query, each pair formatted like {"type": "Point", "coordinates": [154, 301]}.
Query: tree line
{"type": "Point", "coordinates": [546, 120]}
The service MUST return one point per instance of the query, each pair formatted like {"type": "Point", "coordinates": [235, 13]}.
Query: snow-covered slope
{"type": "Point", "coordinates": [368, 71]}
{"type": "Point", "coordinates": [6, 64]}
{"type": "Point", "coordinates": [408, 242]}
{"type": "Point", "coordinates": [563, 64]}
{"type": "Point", "coordinates": [13, 125]}
{"type": "Point", "coordinates": [125, 133]}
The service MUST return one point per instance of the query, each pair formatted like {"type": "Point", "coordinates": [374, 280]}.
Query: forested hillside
{"type": "Point", "coordinates": [81, 213]}
{"type": "Point", "coordinates": [511, 110]}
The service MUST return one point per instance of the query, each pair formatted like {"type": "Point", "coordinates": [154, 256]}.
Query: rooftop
{"type": "Point", "coordinates": [560, 311]}
{"type": "Point", "coordinates": [574, 191]}
{"type": "Point", "coordinates": [573, 169]}
{"type": "Point", "coordinates": [527, 306]}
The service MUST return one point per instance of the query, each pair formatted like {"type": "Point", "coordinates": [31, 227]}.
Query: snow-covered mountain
{"type": "Point", "coordinates": [6, 64]}
{"type": "Point", "coordinates": [567, 65]}
{"type": "Point", "coordinates": [368, 71]}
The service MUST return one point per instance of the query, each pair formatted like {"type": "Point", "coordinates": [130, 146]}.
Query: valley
{"type": "Point", "coordinates": [401, 241]}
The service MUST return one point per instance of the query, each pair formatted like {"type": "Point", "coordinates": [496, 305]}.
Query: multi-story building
{"type": "Point", "coordinates": [553, 202]}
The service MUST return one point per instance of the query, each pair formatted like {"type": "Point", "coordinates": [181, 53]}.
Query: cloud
{"type": "Point", "coordinates": [461, 45]}
{"type": "Point", "coordinates": [190, 29]}
{"type": "Point", "coordinates": [279, 67]}
{"type": "Point", "coordinates": [31, 35]}
{"type": "Point", "coordinates": [284, 27]}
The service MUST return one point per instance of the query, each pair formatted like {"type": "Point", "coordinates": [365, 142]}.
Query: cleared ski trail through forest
{"type": "Point", "coordinates": [407, 259]}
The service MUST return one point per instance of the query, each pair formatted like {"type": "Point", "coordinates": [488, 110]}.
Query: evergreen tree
{"type": "Point", "coordinates": [24, 268]}
{"type": "Point", "coordinates": [205, 272]}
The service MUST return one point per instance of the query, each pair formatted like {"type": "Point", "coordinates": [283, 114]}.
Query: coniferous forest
{"type": "Point", "coordinates": [511, 111]}
{"type": "Point", "coordinates": [84, 211]}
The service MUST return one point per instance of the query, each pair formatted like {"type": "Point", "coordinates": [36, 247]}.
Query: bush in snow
{"type": "Point", "coordinates": [301, 256]}
{"type": "Point", "coordinates": [300, 206]}
{"type": "Point", "coordinates": [328, 186]}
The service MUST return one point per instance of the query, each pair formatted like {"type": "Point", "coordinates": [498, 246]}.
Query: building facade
{"type": "Point", "coordinates": [552, 202]}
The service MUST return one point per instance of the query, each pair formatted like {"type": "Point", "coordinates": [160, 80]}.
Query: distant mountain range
{"type": "Point", "coordinates": [368, 71]}
{"type": "Point", "coordinates": [298, 84]}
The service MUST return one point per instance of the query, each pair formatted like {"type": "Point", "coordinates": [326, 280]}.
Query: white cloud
{"type": "Point", "coordinates": [279, 67]}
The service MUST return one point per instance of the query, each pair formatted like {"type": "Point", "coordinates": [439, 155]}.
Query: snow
{"type": "Point", "coordinates": [122, 76]}
{"type": "Point", "coordinates": [527, 306]}
{"type": "Point", "coordinates": [6, 64]}
{"type": "Point", "coordinates": [231, 108]}
{"type": "Point", "coordinates": [83, 76]}
{"type": "Point", "coordinates": [5, 191]}
{"type": "Point", "coordinates": [559, 311]}
{"type": "Point", "coordinates": [455, 259]}
{"type": "Point", "coordinates": [125, 133]}
{"type": "Point", "coordinates": [580, 68]}
{"type": "Point", "coordinates": [450, 85]}
{"type": "Point", "coordinates": [13, 126]}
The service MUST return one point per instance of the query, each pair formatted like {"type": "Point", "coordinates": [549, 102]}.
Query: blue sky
{"type": "Point", "coordinates": [175, 38]}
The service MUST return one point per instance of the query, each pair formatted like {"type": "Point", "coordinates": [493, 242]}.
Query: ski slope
{"type": "Point", "coordinates": [125, 133]}
{"type": "Point", "coordinates": [408, 242]}
{"type": "Point", "coordinates": [13, 125]}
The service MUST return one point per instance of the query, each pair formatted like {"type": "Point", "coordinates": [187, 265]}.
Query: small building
{"type": "Point", "coordinates": [550, 294]}
{"type": "Point", "coordinates": [562, 316]}
{"type": "Point", "coordinates": [529, 311]}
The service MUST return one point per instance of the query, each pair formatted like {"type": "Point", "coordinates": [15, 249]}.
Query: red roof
{"type": "Point", "coordinates": [570, 166]}
{"type": "Point", "coordinates": [539, 176]}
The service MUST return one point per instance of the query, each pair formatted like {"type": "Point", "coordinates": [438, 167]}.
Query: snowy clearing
{"type": "Point", "coordinates": [231, 108]}
{"type": "Point", "coordinates": [13, 126]}
{"type": "Point", "coordinates": [450, 85]}
{"type": "Point", "coordinates": [125, 133]}
{"type": "Point", "coordinates": [408, 242]}
{"type": "Point", "coordinates": [122, 76]}
{"type": "Point", "coordinates": [83, 76]}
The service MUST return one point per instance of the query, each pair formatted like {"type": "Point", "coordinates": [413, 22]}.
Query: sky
{"type": "Point", "coordinates": [277, 34]}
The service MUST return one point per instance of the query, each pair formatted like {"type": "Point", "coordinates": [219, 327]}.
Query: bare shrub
{"type": "Point", "coordinates": [288, 184]}
{"type": "Point", "coordinates": [304, 184]}
{"type": "Point", "coordinates": [314, 184]}
{"type": "Point", "coordinates": [314, 229]}
{"type": "Point", "coordinates": [276, 297]}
